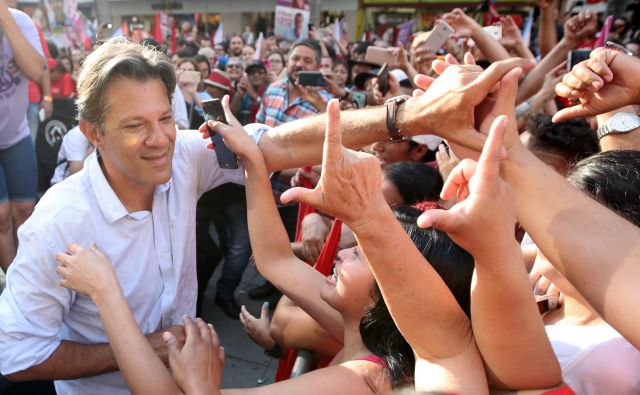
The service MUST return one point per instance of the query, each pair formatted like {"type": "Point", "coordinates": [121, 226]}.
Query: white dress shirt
{"type": "Point", "coordinates": [153, 252]}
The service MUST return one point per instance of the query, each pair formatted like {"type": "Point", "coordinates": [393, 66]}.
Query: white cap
{"type": "Point", "coordinates": [399, 75]}
{"type": "Point", "coordinates": [429, 140]}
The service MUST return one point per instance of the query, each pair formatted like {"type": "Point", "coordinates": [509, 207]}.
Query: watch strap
{"type": "Point", "coordinates": [392, 112]}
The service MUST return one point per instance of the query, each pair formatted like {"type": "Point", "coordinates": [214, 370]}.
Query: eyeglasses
{"type": "Point", "coordinates": [234, 66]}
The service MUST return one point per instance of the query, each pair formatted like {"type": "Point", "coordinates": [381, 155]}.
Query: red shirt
{"type": "Point", "coordinates": [65, 87]}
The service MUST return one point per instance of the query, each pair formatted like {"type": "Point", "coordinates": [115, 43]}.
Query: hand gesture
{"type": "Point", "coordinates": [485, 203]}
{"type": "Point", "coordinates": [510, 32]}
{"type": "Point", "coordinates": [545, 4]}
{"type": "Point", "coordinates": [233, 134]}
{"type": "Point", "coordinates": [197, 366]}
{"type": "Point", "coordinates": [605, 82]}
{"type": "Point", "coordinates": [447, 161]}
{"type": "Point", "coordinates": [580, 27]}
{"type": "Point", "coordinates": [258, 328]}
{"type": "Point", "coordinates": [402, 61]}
{"type": "Point", "coordinates": [552, 78]}
{"type": "Point", "coordinates": [464, 25]}
{"type": "Point", "coordinates": [312, 95]}
{"type": "Point", "coordinates": [314, 233]}
{"type": "Point", "coordinates": [87, 271]}
{"type": "Point", "coordinates": [447, 107]}
{"type": "Point", "coordinates": [350, 184]}
{"type": "Point", "coordinates": [312, 176]}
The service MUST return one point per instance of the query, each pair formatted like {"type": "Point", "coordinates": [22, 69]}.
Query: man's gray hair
{"type": "Point", "coordinates": [119, 58]}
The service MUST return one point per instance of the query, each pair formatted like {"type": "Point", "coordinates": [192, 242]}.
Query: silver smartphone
{"type": "Point", "coordinates": [438, 36]}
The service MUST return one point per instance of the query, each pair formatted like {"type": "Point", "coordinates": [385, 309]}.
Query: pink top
{"type": "Point", "coordinates": [373, 358]}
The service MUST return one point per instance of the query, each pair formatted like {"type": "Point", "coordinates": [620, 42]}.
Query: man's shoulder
{"type": "Point", "coordinates": [277, 87]}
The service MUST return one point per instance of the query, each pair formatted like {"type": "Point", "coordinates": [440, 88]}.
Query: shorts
{"type": "Point", "coordinates": [19, 172]}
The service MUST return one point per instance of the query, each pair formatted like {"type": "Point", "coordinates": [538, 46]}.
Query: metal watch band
{"type": "Point", "coordinates": [392, 112]}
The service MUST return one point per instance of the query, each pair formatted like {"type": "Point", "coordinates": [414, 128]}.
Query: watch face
{"type": "Point", "coordinates": [624, 122]}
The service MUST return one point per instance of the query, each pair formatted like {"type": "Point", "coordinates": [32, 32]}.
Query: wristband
{"type": "Point", "coordinates": [275, 352]}
{"type": "Point", "coordinates": [395, 134]}
{"type": "Point", "coordinates": [48, 99]}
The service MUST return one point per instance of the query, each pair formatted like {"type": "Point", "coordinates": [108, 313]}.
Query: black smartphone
{"type": "Point", "coordinates": [576, 56]}
{"type": "Point", "coordinates": [213, 111]}
{"type": "Point", "coordinates": [311, 78]}
{"type": "Point", "coordinates": [383, 79]}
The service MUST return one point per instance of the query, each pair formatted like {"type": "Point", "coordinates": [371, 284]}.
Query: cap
{"type": "Point", "coordinates": [362, 77]}
{"type": "Point", "coordinates": [255, 64]}
{"type": "Point", "coordinates": [401, 77]}
{"type": "Point", "coordinates": [219, 79]}
{"type": "Point", "coordinates": [429, 140]}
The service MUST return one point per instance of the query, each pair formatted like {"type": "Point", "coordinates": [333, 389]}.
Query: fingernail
{"type": "Point", "coordinates": [265, 304]}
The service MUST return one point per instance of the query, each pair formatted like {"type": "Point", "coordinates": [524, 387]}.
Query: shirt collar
{"type": "Point", "coordinates": [109, 203]}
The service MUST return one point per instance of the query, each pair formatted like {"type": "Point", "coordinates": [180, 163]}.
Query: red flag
{"type": "Point", "coordinates": [174, 44]}
{"type": "Point", "coordinates": [157, 30]}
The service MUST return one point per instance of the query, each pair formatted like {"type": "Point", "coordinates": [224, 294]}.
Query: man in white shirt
{"type": "Point", "coordinates": [136, 198]}
{"type": "Point", "coordinates": [73, 151]}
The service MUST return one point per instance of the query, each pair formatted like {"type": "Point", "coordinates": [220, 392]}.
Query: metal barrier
{"type": "Point", "coordinates": [303, 363]}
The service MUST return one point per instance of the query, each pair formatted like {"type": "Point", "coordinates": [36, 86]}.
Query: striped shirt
{"type": "Point", "coordinates": [276, 109]}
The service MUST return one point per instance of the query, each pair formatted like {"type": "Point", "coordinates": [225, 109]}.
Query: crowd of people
{"type": "Point", "coordinates": [460, 219]}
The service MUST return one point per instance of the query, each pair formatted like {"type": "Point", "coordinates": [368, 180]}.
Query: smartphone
{"type": "Point", "coordinates": [438, 36]}
{"type": "Point", "coordinates": [359, 99]}
{"type": "Point", "coordinates": [576, 56]}
{"type": "Point", "coordinates": [380, 56]}
{"type": "Point", "coordinates": [190, 77]}
{"type": "Point", "coordinates": [311, 78]}
{"type": "Point", "coordinates": [495, 31]}
{"type": "Point", "coordinates": [213, 111]}
{"type": "Point", "coordinates": [383, 79]}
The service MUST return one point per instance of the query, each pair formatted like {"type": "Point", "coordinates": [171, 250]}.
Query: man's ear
{"type": "Point", "coordinates": [418, 152]}
{"type": "Point", "coordinates": [92, 133]}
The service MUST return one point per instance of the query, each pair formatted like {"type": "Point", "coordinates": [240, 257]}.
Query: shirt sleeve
{"type": "Point", "coordinates": [179, 109]}
{"type": "Point", "coordinates": [32, 306]}
{"type": "Point", "coordinates": [76, 145]}
{"type": "Point", "coordinates": [260, 115]}
{"type": "Point", "coordinates": [29, 30]}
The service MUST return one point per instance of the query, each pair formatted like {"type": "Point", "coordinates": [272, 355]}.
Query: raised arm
{"type": "Point", "coordinates": [506, 323]}
{"type": "Point", "coordinates": [576, 29]}
{"type": "Point", "coordinates": [350, 189]}
{"type": "Point", "coordinates": [445, 110]}
{"type": "Point", "coordinates": [29, 60]}
{"type": "Point", "coordinates": [269, 241]}
{"type": "Point", "coordinates": [547, 34]}
{"type": "Point", "coordinates": [467, 27]}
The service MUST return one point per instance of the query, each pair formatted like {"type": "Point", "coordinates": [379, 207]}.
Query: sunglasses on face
{"type": "Point", "coordinates": [234, 66]}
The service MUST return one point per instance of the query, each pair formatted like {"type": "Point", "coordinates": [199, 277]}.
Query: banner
{"type": "Point", "coordinates": [404, 31]}
{"type": "Point", "coordinates": [292, 19]}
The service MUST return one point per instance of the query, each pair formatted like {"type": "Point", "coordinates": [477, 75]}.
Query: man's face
{"type": "Point", "coordinates": [235, 69]}
{"type": "Point", "coordinates": [235, 46]}
{"type": "Point", "coordinates": [203, 67]}
{"type": "Point", "coordinates": [219, 49]}
{"type": "Point", "coordinates": [298, 23]}
{"type": "Point", "coordinates": [302, 58]}
{"type": "Point", "coordinates": [138, 136]}
{"type": "Point", "coordinates": [257, 76]}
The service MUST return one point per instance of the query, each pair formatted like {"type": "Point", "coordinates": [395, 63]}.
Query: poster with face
{"type": "Point", "coordinates": [292, 19]}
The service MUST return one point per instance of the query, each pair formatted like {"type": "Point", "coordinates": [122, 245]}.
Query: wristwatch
{"type": "Point", "coordinates": [347, 91]}
{"type": "Point", "coordinates": [621, 122]}
{"type": "Point", "coordinates": [392, 104]}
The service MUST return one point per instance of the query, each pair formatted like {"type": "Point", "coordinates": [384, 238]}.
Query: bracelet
{"type": "Point", "coordinates": [275, 352]}
{"type": "Point", "coordinates": [48, 99]}
{"type": "Point", "coordinates": [392, 105]}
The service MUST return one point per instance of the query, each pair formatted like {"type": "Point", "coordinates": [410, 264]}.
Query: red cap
{"type": "Point", "coordinates": [219, 79]}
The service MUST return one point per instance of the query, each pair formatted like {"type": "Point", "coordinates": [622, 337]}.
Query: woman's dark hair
{"type": "Point", "coordinates": [187, 60]}
{"type": "Point", "coordinates": [613, 179]}
{"type": "Point", "coordinates": [202, 59]}
{"type": "Point", "coordinates": [415, 181]}
{"type": "Point", "coordinates": [378, 330]}
{"type": "Point", "coordinates": [573, 139]}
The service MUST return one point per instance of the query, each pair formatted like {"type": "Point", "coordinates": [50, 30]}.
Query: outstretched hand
{"type": "Point", "coordinates": [87, 271]}
{"type": "Point", "coordinates": [257, 328]}
{"type": "Point", "coordinates": [233, 134]}
{"type": "Point", "coordinates": [486, 205]}
{"type": "Point", "coordinates": [605, 82]}
{"type": "Point", "coordinates": [350, 182]}
{"type": "Point", "coordinates": [197, 366]}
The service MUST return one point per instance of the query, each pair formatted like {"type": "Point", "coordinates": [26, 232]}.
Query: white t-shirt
{"type": "Point", "coordinates": [74, 148]}
{"type": "Point", "coordinates": [595, 359]}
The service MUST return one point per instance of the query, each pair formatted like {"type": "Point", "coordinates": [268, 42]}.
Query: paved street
{"type": "Point", "coordinates": [246, 364]}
